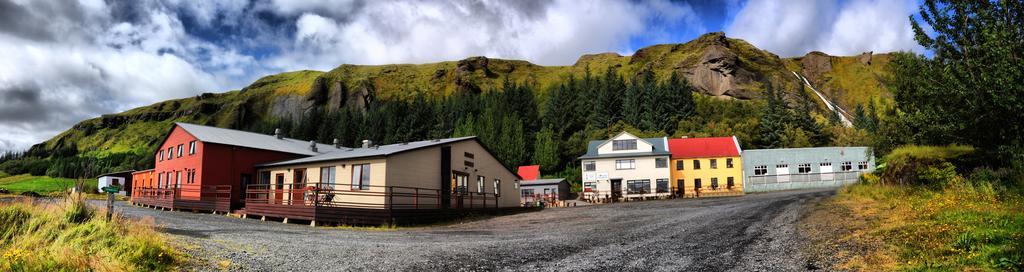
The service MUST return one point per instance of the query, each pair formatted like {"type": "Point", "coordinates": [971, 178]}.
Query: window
{"type": "Point", "coordinates": [468, 155]}
{"type": "Point", "coordinates": [679, 165]}
{"type": "Point", "coordinates": [192, 148]}
{"type": "Point", "coordinates": [480, 183]}
{"type": "Point", "coordinates": [728, 163]}
{"type": "Point", "coordinates": [327, 177]}
{"type": "Point", "coordinates": [624, 144]}
{"type": "Point", "coordinates": [760, 170]}
{"type": "Point", "coordinates": [589, 186]}
{"type": "Point", "coordinates": [714, 163]}
{"type": "Point", "coordinates": [660, 162]}
{"type": "Point", "coordinates": [696, 164]}
{"type": "Point", "coordinates": [264, 177]}
{"type": "Point", "coordinates": [177, 179]}
{"type": "Point", "coordinates": [167, 180]}
{"type": "Point", "coordinates": [181, 149]}
{"type": "Point", "coordinates": [862, 165]}
{"type": "Point", "coordinates": [782, 166]}
{"type": "Point", "coordinates": [803, 168]}
{"type": "Point", "coordinates": [589, 166]}
{"type": "Point", "coordinates": [662, 186]}
{"type": "Point", "coordinates": [360, 176]}
{"type": "Point", "coordinates": [696, 183]}
{"type": "Point", "coordinates": [468, 163]}
{"type": "Point", "coordinates": [161, 155]}
{"type": "Point", "coordinates": [714, 183]}
{"type": "Point", "coordinates": [160, 177]}
{"type": "Point", "coordinates": [642, 186]}
{"type": "Point", "coordinates": [847, 166]}
{"type": "Point", "coordinates": [729, 182]}
{"type": "Point", "coordinates": [625, 164]}
{"type": "Point", "coordinates": [547, 192]}
{"type": "Point", "coordinates": [497, 185]}
{"type": "Point", "coordinates": [170, 153]}
{"type": "Point", "coordinates": [526, 192]}
{"type": "Point", "coordinates": [826, 164]}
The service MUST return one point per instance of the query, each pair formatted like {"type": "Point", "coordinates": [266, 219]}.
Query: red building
{"type": "Point", "coordinates": [206, 168]}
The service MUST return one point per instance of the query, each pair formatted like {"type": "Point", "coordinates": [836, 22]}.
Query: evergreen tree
{"type": "Point", "coordinates": [773, 120]}
{"type": "Point", "coordinates": [545, 152]}
{"type": "Point", "coordinates": [681, 93]}
{"type": "Point", "coordinates": [608, 100]}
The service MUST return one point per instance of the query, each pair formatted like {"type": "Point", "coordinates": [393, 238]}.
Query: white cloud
{"type": "Point", "coordinates": [66, 62]}
{"type": "Point", "coordinates": [549, 33]}
{"type": "Point", "coordinates": [794, 28]}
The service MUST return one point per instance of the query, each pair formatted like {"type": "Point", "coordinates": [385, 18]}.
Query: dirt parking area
{"type": "Point", "coordinates": [749, 233]}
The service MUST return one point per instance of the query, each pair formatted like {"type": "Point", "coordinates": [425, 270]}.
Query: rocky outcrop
{"type": "Point", "coordinates": [815, 64]}
{"type": "Point", "coordinates": [720, 71]}
{"type": "Point", "coordinates": [865, 58]}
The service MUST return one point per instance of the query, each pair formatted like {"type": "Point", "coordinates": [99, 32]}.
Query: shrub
{"type": "Point", "coordinates": [77, 211]}
{"type": "Point", "coordinates": [913, 164]}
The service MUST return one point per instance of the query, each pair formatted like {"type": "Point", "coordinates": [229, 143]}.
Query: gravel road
{"type": "Point", "coordinates": [749, 233]}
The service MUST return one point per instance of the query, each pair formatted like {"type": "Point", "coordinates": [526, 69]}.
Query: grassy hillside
{"type": "Point", "coordinates": [271, 101]}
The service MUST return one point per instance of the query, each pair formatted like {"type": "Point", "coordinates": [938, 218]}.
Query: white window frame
{"type": "Point", "coordinates": [627, 164]}
{"type": "Point", "coordinates": [627, 144]}
{"type": "Point", "coordinates": [763, 169]}
{"type": "Point", "coordinates": [589, 166]}
{"type": "Point", "coordinates": [192, 148]}
{"type": "Point", "coordinates": [660, 162]}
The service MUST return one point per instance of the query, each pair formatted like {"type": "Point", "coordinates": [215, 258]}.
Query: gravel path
{"type": "Point", "coordinates": [749, 233]}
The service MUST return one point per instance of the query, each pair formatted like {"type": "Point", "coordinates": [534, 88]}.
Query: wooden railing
{"type": "Point", "coordinates": [373, 196]}
{"type": "Point", "coordinates": [204, 192]}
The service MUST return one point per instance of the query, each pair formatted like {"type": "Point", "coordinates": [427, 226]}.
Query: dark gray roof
{"type": "Point", "coordinates": [541, 182]}
{"type": "Point", "coordinates": [233, 137]}
{"type": "Point", "coordinates": [657, 143]}
{"type": "Point", "coordinates": [383, 150]}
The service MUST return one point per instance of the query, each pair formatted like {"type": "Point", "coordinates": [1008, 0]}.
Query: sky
{"type": "Point", "coordinates": [66, 61]}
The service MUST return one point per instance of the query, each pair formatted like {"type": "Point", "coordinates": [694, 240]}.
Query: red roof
{"type": "Point", "coordinates": [529, 172]}
{"type": "Point", "coordinates": [703, 147]}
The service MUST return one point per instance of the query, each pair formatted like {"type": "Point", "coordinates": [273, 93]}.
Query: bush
{"type": "Point", "coordinates": [77, 211]}
{"type": "Point", "coordinates": [913, 164]}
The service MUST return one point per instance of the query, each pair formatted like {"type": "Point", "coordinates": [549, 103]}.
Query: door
{"type": "Point", "coordinates": [460, 185]}
{"type": "Point", "coordinates": [278, 188]}
{"type": "Point", "coordinates": [782, 173]}
{"type": "Point", "coordinates": [616, 189]}
{"type": "Point", "coordinates": [245, 180]}
{"type": "Point", "coordinates": [679, 187]}
{"type": "Point", "coordinates": [826, 171]}
{"type": "Point", "coordinates": [298, 185]}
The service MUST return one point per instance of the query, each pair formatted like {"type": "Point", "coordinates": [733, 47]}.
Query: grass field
{"type": "Point", "coordinates": [961, 227]}
{"type": "Point", "coordinates": [39, 184]}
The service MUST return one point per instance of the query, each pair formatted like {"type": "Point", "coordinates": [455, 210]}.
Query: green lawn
{"type": "Point", "coordinates": [39, 184]}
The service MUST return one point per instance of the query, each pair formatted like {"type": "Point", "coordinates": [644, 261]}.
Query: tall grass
{"type": "Point", "coordinates": [71, 236]}
{"type": "Point", "coordinates": [962, 226]}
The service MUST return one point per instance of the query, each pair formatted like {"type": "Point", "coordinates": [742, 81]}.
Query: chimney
{"type": "Point", "coordinates": [337, 143]}
{"type": "Point", "coordinates": [312, 145]}
{"type": "Point", "coordinates": [367, 143]}
{"type": "Point", "coordinates": [277, 133]}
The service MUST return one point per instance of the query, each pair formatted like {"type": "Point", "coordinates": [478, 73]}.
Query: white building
{"type": "Point", "coordinates": [626, 167]}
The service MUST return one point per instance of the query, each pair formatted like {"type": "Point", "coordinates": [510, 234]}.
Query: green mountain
{"type": "Point", "coordinates": [717, 66]}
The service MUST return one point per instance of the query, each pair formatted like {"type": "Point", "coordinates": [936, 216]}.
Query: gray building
{"type": "Point", "coordinates": [802, 168]}
{"type": "Point", "coordinates": [544, 190]}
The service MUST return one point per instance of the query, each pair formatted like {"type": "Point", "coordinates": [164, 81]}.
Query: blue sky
{"type": "Point", "coordinates": [66, 61]}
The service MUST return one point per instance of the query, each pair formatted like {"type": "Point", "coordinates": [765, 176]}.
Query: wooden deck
{"type": "Point", "coordinates": [204, 198]}
{"type": "Point", "coordinates": [362, 206]}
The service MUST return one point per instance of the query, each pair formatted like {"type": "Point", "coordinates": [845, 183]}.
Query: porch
{"type": "Point", "coordinates": [216, 198]}
{"type": "Point", "coordinates": [361, 205]}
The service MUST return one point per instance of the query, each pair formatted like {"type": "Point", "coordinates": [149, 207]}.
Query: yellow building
{"type": "Point", "coordinates": [706, 166]}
